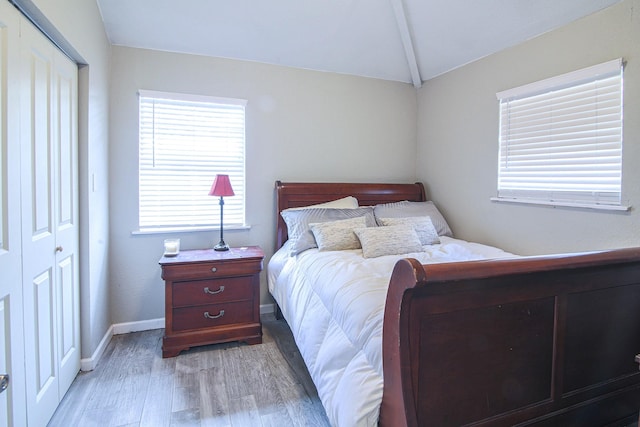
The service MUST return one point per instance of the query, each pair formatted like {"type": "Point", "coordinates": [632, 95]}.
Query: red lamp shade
{"type": "Point", "coordinates": [221, 186]}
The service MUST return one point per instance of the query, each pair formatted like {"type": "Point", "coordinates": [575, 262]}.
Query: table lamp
{"type": "Point", "coordinates": [221, 187]}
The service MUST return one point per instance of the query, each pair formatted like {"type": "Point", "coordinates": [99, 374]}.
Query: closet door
{"type": "Point", "coordinates": [66, 227]}
{"type": "Point", "coordinates": [12, 400]}
{"type": "Point", "coordinates": [49, 223]}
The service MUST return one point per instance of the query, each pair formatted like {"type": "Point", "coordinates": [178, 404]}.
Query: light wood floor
{"type": "Point", "coordinates": [218, 385]}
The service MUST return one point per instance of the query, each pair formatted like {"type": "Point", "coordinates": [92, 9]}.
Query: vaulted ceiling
{"type": "Point", "coordinates": [402, 40]}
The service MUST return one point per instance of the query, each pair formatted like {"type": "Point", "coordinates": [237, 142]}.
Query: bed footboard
{"type": "Point", "coordinates": [527, 341]}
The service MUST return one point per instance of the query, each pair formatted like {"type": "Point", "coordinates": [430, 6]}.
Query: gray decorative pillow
{"type": "Point", "coordinates": [421, 224]}
{"type": "Point", "coordinates": [298, 221]}
{"type": "Point", "coordinates": [391, 240]}
{"type": "Point", "coordinates": [411, 209]}
{"type": "Point", "coordinates": [337, 235]}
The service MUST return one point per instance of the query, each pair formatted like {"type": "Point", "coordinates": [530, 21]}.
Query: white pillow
{"type": "Point", "coordinates": [338, 235]}
{"type": "Point", "coordinates": [421, 224]}
{"type": "Point", "coordinates": [390, 240]}
{"type": "Point", "coordinates": [348, 202]}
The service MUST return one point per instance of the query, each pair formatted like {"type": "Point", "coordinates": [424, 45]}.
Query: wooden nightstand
{"type": "Point", "coordinates": [211, 297]}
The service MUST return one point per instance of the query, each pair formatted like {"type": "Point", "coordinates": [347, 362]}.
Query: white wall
{"type": "Point", "coordinates": [80, 24]}
{"type": "Point", "coordinates": [458, 139]}
{"type": "Point", "coordinates": [301, 125]}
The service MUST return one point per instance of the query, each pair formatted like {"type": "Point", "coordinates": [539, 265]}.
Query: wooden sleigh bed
{"type": "Point", "coordinates": [547, 340]}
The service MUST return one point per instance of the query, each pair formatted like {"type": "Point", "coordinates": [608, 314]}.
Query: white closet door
{"type": "Point", "coordinates": [12, 400]}
{"type": "Point", "coordinates": [49, 223]}
{"type": "Point", "coordinates": [38, 238]}
{"type": "Point", "coordinates": [65, 137]}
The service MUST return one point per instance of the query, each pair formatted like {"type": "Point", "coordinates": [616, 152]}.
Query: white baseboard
{"type": "Point", "coordinates": [128, 327]}
{"type": "Point", "coordinates": [91, 363]}
{"type": "Point", "coordinates": [267, 308]}
{"type": "Point", "coordinates": [143, 325]}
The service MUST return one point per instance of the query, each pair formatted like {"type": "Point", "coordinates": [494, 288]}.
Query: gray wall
{"type": "Point", "coordinates": [305, 125]}
{"type": "Point", "coordinates": [458, 139]}
{"type": "Point", "coordinates": [301, 125]}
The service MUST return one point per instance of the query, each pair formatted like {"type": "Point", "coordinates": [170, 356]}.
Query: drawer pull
{"type": "Point", "coordinates": [217, 316]}
{"type": "Point", "coordinates": [213, 269]}
{"type": "Point", "coordinates": [210, 292]}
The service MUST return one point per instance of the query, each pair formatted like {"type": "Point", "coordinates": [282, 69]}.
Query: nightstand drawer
{"type": "Point", "coordinates": [207, 316]}
{"type": "Point", "coordinates": [212, 270]}
{"type": "Point", "coordinates": [201, 292]}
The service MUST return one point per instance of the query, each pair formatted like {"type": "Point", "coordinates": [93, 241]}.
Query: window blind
{"type": "Point", "coordinates": [561, 138]}
{"type": "Point", "coordinates": [185, 140]}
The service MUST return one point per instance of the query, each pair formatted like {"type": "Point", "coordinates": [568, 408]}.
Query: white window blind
{"type": "Point", "coordinates": [561, 139]}
{"type": "Point", "coordinates": [185, 140]}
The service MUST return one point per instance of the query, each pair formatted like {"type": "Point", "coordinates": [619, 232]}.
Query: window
{"type": "Point", "coordinates": [561, 140]}
{"type": "Point", "coordinates": [185, 140]}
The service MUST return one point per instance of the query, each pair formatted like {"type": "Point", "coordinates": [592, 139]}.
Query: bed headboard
{"type": "Point", "coordinates": [296, 194]}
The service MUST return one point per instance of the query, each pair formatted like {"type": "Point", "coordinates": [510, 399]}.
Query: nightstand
{"type": "Point", "coordinates": [211, 297]}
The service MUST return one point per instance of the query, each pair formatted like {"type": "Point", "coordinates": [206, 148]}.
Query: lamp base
{"type": "Point", "coordinates": [222, 246]}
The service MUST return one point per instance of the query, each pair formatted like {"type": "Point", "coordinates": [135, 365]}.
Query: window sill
{"type": "Point", "coordinates": [173, 230]}
{"type": "Point", "coordinates": [619, 208]}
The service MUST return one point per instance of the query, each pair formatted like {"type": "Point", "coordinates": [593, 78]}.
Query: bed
{"type": "Point", "coordinates": [458, 333]}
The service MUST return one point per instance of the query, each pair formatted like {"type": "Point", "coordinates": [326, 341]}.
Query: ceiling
{"type": "Point", "coordinates": [402, 40]}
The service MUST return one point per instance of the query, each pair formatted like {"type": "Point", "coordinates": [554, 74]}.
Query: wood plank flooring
{"type": "Point", "coordinates": [232, 385]}
{"type": "Point", "coordinates": [219, 385]}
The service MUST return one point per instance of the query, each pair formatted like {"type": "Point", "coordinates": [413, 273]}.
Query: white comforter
{"type": "Point", "coordinates": [334, 305]}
